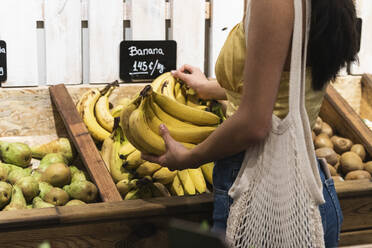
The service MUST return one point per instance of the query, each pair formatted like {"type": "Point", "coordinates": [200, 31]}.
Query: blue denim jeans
{"type": "Point", "coordinates": [224, 174]}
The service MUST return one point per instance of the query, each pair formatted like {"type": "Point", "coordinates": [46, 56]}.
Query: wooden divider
{"type": "Point", "coordinates": [344, 119]}
{"type": "Point", "coordinates": [84, 143]}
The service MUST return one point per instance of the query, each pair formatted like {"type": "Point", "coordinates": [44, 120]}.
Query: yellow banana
{"type": "Point", "coordinates": [124, 120]}
{"type": "Point", "coordinates": [143, 135]}
{"type": "Point", "coordinates": [176, 187]}
{"type": "Point", "coordinates": [79, 104]}
{"type": "Point", "coordinates": [159, 190]}
{"type": "Point", "coordinates": [167, 118]}
{"type": "Point", "coordinates": [195, 134]}
{"type": "Point", "coordinates": [103, 114]}
{"type": "Point", "coordinates": [147, 169]}
{"type": "Point", "coordinates": [186, 182]}
{"type": "Point", "coordinates": [124, 186]}
{"type": "Point", "coordinates": [134, 160]}
{"type": "Point", "coordinates": [106, 151]}
{"type": "Point", "coordinates": [164, 175]}
{"type": "Point", "coordinates": [118, 173]}
{"type": "Point", "coordinates": [184, 112]}
{"type": "Point", "coordinates": [116, 111]}
{"type": "Point", "coordinates": [198, 180]}
{"type": "Point", "coordinates": [133, 194]}
{"type": "Point", "coordinates": [178, 94]}
{"type": "Point", "coordinates": [167, 88]}
{"type": "Point", "coordinates": [126, 148]}
{"type": "Point", "coordinates": [87, 106]}
{"type": "Point", "coordinates": [157, 83]}
{"type": "Point", "coordinates": [207, 170]}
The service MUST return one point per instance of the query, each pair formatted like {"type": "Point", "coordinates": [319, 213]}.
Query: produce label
{"type": "Point", "coordinates": [146, 60]}
{"type": "Point", "coordinates": [2, 61]}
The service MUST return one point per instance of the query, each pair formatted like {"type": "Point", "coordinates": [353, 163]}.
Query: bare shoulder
{"type": "Point", "coordinates": [273, 10]}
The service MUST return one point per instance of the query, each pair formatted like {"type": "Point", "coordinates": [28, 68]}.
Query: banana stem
{"type": "Point", "coordinates": [108, 87]}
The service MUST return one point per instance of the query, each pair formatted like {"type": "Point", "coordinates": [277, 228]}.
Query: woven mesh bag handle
{"type": "Point", "coordinates": [278, 189]}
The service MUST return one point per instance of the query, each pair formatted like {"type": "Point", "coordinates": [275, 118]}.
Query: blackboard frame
{"type": "Point", "coordinates": [135, 63]}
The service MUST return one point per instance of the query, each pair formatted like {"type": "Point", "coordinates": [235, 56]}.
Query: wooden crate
{"type": "Point", "coordinates": [143, 223]}
{"type": "Point", "coordinates": [355, 196]}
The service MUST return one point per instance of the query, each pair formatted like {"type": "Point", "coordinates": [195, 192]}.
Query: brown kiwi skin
{"type": "Point", "coordinates": [368, 167]}
{"type": "Point", "coordinates": [359, 149]}
{"type": "Point", "coordinates": [358, 174]}
{"type": "Point", "coordinates": [322, 140]}
{"type": "Point", "coordinates": [332, 170]}
{"type": "Point", "coordinates": [350, 161]}
{"type": "Point", "coordinates": [318, 126]}
{"type": "Point", "coordinates": [341, 145]}
{"type": "Point", "coordinates": [327, 129]}
{"type": "Point", "coordinates": [329, 155]}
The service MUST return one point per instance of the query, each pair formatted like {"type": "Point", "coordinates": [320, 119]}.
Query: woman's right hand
{"type": "Point", "coordinates": [195, 79]}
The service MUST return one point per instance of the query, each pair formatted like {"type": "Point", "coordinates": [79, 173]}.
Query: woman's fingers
{"type": "Point", "coordinates": [168, 140]}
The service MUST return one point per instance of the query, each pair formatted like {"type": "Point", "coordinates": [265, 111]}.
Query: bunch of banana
{"type": "Point", "coordinates": [93, 108]}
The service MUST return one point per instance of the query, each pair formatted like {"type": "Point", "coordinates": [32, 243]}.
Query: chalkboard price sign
{"type": "Point", "coordinates": [2, 61]}
{"type": "Point", "coordinates": [145, 60]}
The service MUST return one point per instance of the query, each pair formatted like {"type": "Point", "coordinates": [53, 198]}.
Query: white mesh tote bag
{"type": "Point", "coordinates": [278, 189]}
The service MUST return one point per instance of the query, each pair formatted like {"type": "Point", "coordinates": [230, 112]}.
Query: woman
{"type": "Point", "coordinates": [252, 74]}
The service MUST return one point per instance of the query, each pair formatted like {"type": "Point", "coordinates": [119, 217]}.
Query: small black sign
{"type": "Point", "coordinates": [145, 60]}
{"type": "Point", "coordinates": [2, 61]}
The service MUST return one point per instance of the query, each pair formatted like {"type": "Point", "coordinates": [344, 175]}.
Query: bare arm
{"type": "Point", "coordinates": [265, 58]}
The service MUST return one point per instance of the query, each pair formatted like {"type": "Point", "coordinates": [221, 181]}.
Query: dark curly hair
{"type": "Point", "coordinates": [333, 39]}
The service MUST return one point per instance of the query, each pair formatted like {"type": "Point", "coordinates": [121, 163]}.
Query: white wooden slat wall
{"type": "Point", "coordinates": [364, 11]}
{"type": "Point", "coordinates": [18, 29]}
{"type": "Point", "coordinates": [188, 30]}
{"type": "Point", "coordinates": [63, 41]}
{"type": "Point", "coordinates": [224, 16]}
{"type": "Point", "coordinates": [147, 19]}
{"type": "Point", "coordinates": [105, 25]}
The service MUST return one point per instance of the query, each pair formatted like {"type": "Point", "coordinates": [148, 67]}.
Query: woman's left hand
{"type": "Point", "coordinates": [176, 156]}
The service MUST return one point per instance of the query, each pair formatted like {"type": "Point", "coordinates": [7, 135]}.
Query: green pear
{"type": "Point", "coordinates": [37, 202]}
{"type": "Point", "coordinates": [17, 200]}
{"type": "Point", "coordinates": [15, 153]}
{"type": "Point", "coordinates": [44, 189]}
{"type": "Point", "coordinates": [36, 175]}
{"type": "Point", "coordinates": [3, 173]}
{"type": "Point", "coordinates": [61, 145]}
{"type": "Point", "coordinates": [18, 173]}
{"type": "Point", "coordinates": [57, 174]}
{"type": "Point", "coordinates": [29, 186]}
{"type": "Point", "coordinates": [82, 190]}
{"type": "Point", "coordinates": [57, 197]}
{"type": "Point", "coordinates": [77, 175]}
{"type": "Point", "coordinates": [51, 158]}
{"type": "Point", "coordinates": [75, 202]}
{"type": "Point", "coordinates": [5, 193]}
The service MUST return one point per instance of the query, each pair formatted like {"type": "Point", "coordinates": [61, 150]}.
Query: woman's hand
{"type": "Point", "coordinates": [195, 79]}
{"type": "Point", "coordinates": [176, 157]}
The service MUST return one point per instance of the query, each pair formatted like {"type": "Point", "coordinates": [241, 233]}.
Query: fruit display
{"type": "Point", "coordinates": [47, 181]}
{"type": "Point", "coordinates": [346, 160]}
{"type": "Point", "coordinates": [123, 131]}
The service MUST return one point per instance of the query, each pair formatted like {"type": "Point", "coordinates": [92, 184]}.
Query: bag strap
{"type": "Point", "coordinates": [298, 65]}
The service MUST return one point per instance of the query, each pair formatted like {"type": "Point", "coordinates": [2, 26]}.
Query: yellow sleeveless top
{"type": "Point", "coordinates": [229, 72]}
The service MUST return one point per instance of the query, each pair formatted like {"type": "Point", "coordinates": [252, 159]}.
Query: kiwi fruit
{"type": "Point", "coordinates": [332, 170]}
{"type": "Point", "coordinates": [57, 174]}
{"type": "Point", "coordinates": [341, 145]}
{"type": "Point", "coordinates": [368, 167]}
{"type": "Point", "coordinates": [326, 128]}
{"type": "Point", "coordinates": [350, 161]}
{"type": "Point", "coordinates": [322, 140]}
{"type": "Point", "coordinates": [318, 126]}
{"type": "Point", "coordinates": [337, 179]}
{"type": "Point", "coordinates": [327, 153]}
{"type": "Point", "coordinates": [57, 197]}
{"type": "Point", "coordinates": [359, 149]}
{"type": "Point", "coordinates": [358, 174]}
